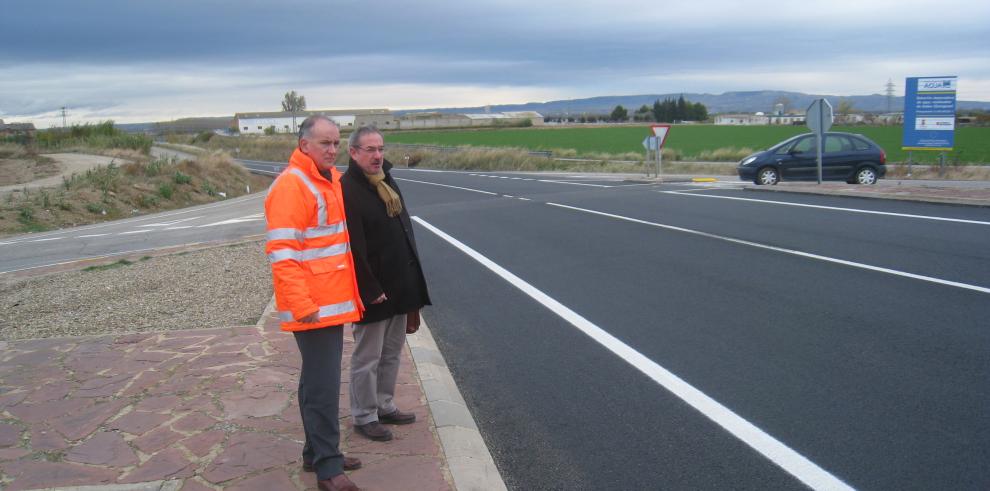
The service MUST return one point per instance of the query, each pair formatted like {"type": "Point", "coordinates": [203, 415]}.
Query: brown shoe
{"type": "Point", "coordinates": [397, 418]}
{"type": "Point", "coordinates": [350, 464]}
{"type": "Point", "coordinates": [340, 482]}
{"type": "Point", "coordinates": [375, 431]}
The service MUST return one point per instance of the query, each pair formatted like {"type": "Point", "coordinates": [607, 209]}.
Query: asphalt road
{"type": "Point", "coordinates": [669, 337]}
{"type": "Point", "coordinates": [609, 335]}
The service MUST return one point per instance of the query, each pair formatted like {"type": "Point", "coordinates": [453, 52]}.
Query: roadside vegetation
{"type": "Point", "coordinates": [690, 149]}
{"type": "Point", "coordinates": [136, 186]}
{"type": "Point", "coordinates": [89, 138]}
{"type": "Point", "coordinates": [687, 142]}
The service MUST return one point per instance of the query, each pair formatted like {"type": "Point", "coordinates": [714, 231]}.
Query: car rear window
{"type": "Point", "coordinates": [860, 144]}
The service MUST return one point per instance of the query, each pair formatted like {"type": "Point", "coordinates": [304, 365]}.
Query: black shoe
{"type": "Point", "coordinates": [375, 431]}
{"type": "Point", "coordinates": [397, 418]}
{"type": "Point", "coordinates": [350, 464]}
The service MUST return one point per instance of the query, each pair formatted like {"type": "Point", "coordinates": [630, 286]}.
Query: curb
{"type": "Point", "coordinates": [468, 459]}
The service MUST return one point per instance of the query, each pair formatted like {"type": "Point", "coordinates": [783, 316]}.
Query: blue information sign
{"type": "Point", "coordinates": [929, 113]}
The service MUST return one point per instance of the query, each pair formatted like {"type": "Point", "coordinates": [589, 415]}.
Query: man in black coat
{"type": "Point", "coordinates": [390, 281]}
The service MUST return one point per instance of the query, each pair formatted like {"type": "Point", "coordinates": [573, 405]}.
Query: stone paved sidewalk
{"type": "Point", "coordinates": [190, 410]}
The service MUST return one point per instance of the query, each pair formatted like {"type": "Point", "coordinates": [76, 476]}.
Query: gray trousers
{"type": "Point", "coordinates": [375, 366]}
{"type": "Point", "coordinates": [319, 397]}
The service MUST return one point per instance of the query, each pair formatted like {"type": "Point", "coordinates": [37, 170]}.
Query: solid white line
{"type": "Point", "coordinates": [92, 235]}
{"type": "Point", "coordinates": [134, 232]}
{"type": "Point", "coordinates": [851, 210]}
{"type": "Point", "coordinates": [794, 463]}
{"type": "Point", "coordinates": [45, 240]}
{"type": "Point", "coordinates": [447, 186]}
{"type": "Point", "coordinates": [180, 227]}
{"type": "Point", "coordinates": [785, 251]}
{"type": "Point", "coordinates": [576, 183]}
{"type": "Point", "coordinates": [97, 257]}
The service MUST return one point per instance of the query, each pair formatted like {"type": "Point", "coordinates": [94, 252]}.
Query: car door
{"type": "Point", "coordinates": [838, 157]}
{"type": "Point", "coordinates": [801, 160]}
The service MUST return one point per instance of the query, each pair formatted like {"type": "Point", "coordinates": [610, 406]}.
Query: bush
{"type": "Point", "coordinates": [166, 190]}
{"type": "Point", "coordinates": [94, 208]}
{"type": "Point", "coordinates": [180, 178]}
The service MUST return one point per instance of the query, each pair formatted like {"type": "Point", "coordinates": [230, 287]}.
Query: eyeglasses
{"type": "Point", "coordinates": [372, 149]}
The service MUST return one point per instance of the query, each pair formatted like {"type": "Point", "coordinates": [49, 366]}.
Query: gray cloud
{"type": "Point", "coordinates": [157, 49]}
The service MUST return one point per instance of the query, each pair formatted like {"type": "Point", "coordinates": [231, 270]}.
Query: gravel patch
{"type": "Point", "coordinates": [217, 287]}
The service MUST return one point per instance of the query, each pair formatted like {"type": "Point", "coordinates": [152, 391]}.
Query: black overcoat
{"type": "Point", "coordinates": [385, 256]}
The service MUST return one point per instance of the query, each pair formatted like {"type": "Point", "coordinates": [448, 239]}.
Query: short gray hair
{"type": "Point", "coordinates": [306, 127]}
{"type": "Point", "coordinates": [356, 136]}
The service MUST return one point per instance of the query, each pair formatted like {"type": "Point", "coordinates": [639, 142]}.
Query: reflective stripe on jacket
{"type": "Point", "coordinates": [309, 249]}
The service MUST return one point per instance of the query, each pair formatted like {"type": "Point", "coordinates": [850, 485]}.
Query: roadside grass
{"type": "Point", "coordinates": [103, 267]}
{"type": "Point", "coordinates": [689, 142]}
{"type": "Point", "coordinates": [143, 185]}
{"type": "Point", "coordinates": [89, 137]}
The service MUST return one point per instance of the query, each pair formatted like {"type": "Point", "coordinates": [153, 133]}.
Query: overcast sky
{"type": "Point", "coordinates": [136, 61]}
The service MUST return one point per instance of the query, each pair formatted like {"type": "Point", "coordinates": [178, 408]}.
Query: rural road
{"type": "Point", "coordinates": [614, 335]}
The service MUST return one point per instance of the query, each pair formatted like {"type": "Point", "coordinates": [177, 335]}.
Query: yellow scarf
{"type": "Point", "coordinates": [391, 199]}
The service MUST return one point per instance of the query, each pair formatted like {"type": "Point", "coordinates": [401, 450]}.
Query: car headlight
{"type": "Point", "coordinates": [748, 160]}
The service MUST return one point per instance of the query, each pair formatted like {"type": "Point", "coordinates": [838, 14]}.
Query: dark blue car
{"type": "Point", "coordinates": [845, 157]}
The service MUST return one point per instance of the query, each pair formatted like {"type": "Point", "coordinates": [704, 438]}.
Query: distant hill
{"type": "Point", "coordinates": [729, 102]}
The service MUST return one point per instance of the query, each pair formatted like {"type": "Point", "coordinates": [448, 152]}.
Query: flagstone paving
{"type": "Point", "coordinates": [190, 410]}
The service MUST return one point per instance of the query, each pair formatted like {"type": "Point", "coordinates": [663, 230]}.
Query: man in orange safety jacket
{"type": "Point", "coordinates": [316, 290]}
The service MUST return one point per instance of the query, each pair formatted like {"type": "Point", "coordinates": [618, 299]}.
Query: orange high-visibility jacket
{"type": "Point", "coordinates": [309, 248]}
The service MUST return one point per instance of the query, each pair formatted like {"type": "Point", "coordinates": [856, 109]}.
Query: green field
{"type": "Point", "coordinates": [972, 143]}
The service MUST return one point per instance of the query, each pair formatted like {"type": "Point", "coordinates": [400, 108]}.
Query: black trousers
{"type": "Point", "coordinates": [319, 398]}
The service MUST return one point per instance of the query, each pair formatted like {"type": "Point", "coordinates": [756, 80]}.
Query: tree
{"type": "Point", "coordinates": [293, 102]}
{"type": "Point", "coordinates": [619, 114]}
{"type": "Point", "coordinates": [845, 106]}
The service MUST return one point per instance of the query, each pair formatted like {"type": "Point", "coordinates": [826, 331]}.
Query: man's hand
{"type": "Point", "coordinates": [412, 322]}
{"type": "Point", "coordinates": [311, 318]}
{"type": "Point", "coordinates": [380, 299]}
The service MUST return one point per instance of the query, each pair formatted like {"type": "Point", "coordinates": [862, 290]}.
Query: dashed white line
{"type": "Point", "coordinates": [45, 240]}
{"type": "Point", "coordinates": [92, 235]}
{"type": "Point", "coordinates": [780, 454]}
{"type": "Point", "coordinates": [894, 272]}
{"type": "Point", "coordinates": [134, 232]}
{"type": "Point", "coordinates": [447, 186]}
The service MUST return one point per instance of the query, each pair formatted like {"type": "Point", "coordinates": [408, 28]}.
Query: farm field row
{"type": "Point", "coordinates": [972, 143]}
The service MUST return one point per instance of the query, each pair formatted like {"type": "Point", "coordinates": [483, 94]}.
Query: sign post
{"type": "Point", "coordinates": [930, 115]}
{"type": "Point", "coordinates": [819, 119]}
{"type": "Point", "coordinates": [660, 132]}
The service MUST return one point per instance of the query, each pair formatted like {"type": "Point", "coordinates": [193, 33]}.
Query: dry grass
{"type": "Point", "coordinates": [111, 192]}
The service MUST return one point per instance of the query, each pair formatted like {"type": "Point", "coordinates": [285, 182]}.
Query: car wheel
{"type": "Point", "coordinates": [866, 175]}
{"type": "Point", "coordinates": [768, 176]}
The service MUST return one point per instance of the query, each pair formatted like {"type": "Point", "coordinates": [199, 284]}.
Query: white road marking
{"type": "Point", "coordinates": [173, 222]}
{"type": "Point", "coordinates": [134, 232]}
{"type": "Point", "coordinates": [576, 183]}
{"type": "Point", "coordinates": [87, 258]}
{"type": "Point", "coordinates": [92, 235]}
{"type": "Point", "coordinates": [180, 227]}
{"type": "Point", "coordinates": [524, 199]}
{"type": "Point", "coordinates": [249, 218]}
{"type": "Point", "coordinates": [836, 208]}
{"type": "Point", "coordinates": [45, 240]}
{"type": "Point", "coordinates": [447, 186]}
{"type": "Point", "coordinates": [780, 454]}
{"type": "Point", "coordinates": [783, 250]}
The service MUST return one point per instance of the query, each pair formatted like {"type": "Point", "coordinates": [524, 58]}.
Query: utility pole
{"type": "Point", "coordinates": [63, 117]}
{"type": "Point", "coordinates": [890, 95]}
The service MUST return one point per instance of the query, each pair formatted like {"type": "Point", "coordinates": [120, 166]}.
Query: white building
{"type": "Point", "coordinates": [284, 122]}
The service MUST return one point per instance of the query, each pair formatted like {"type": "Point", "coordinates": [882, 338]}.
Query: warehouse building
{"type": "Point", "coordinates": [287, 122]}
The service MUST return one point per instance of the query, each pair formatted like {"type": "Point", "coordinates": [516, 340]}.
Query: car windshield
{"type": "Point", "coordinates": [785, 146]}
